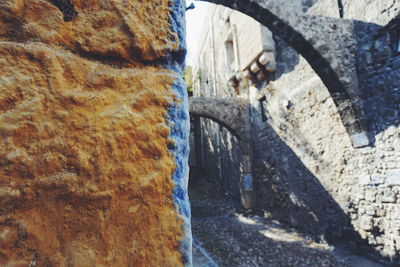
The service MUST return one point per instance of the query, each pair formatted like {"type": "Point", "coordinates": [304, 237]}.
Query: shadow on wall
{"type": "Point", "coordinates": [378, 66]}
{"type": "Point", "coordinates": [379, 75]}
{"type": "Point", "coordinates": [285, 56]}
{"type": "Point", "coordinates": [295, 196]}
{"type": "Point", "coordinates": [289, 190]}
{"type": "Point", "coordinates": [308, 4]}
{"type": "Point", "coordinates": [230, 163]}
{"type": "Point", "coordinates": [236, 240]}
{"type": "Point", "coordinates": [220, 161]}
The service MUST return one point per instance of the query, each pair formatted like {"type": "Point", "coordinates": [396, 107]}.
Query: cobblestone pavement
{"type": "Point", "coordinates": [224, 237]}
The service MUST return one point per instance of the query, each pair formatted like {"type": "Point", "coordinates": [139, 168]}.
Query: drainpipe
{"type": "Point", "coordinates": [341, 9]}
{"type": "Point", "coordinates": [247, 190]}
{"type": "Point", "coordinates": [214, 87]}
{"type": "Point", "coordinates": [199, 128]}
{"type": "Point", "coordinates": [198, 143]}
{"type": "Point", "coordinates": [203, 160]}
{"type": "Point", "coordinates": [214, 81]}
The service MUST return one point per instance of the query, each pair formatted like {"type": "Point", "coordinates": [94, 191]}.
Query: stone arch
{"type": "Point", "coordinates": [229, 112]}
{"type": "Point", "coordinates": [328, 44]}
{"type": "Point", "coordinates": [233, 131]}
{"type": "Point", "coordinates": [232, 113]}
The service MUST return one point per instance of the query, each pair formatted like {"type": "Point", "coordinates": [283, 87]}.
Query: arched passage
{"type": "Point", "coordinates": [328, 44]}
{"type": "Point", "coordinates": [229, 112]}
{"type": "Point", "coordinates": [232, 113]}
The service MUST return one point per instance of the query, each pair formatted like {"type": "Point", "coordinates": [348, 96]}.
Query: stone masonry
{"type": "Point", "coordinates": [94, 130]}
{"type": "Point", "coordinates": [309, 170]}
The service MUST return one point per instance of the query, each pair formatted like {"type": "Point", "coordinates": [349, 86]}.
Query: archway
{"type": "Point", "coordinates": [233, 114]}
{"type": "Point", "coordinates": [322, 47]}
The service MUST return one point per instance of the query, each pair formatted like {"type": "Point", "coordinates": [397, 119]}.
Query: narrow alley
{"type": "Point", "coordinates": [224, 236]}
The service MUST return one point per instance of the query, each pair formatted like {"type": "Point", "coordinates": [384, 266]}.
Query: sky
{"type": "Point", "coordinates": [194, 24]}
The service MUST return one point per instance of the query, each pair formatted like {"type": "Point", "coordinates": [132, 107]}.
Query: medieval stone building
{"type": "Point", "coordinates": [300, 117]}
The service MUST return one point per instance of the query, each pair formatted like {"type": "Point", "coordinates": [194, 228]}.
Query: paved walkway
{"type": "Point", "coordinates": [200, 256]}
{"type": "Point", "coordinates": [223, 237]}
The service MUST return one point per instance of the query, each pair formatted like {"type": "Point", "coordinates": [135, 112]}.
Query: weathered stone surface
{"type": "Point", "coordinates": [230, 112]}
{"type": "Point", "coordinates": [85, 165]}
{"type": "Point", "coordinates": [366, 222]}
{"type": "Point", "coordinates": [364, 179]}
{"type": "Point", "coordinates": [233, 113]}
{"type": "Point", "coordinates": [393, 177]}
{"type": "Point", "coordinates": [380, 12]}
{"type": "Point", "coordinates": [318, 40]}
{"type": "Point", "coordinates": [109, 30]}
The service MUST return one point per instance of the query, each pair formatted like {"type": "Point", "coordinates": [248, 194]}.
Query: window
{"type": "Point", "coordinates": [230, 57]}
{"type": "Point", "coordinates": [263, 107]}
{"type": "Point", "coordinates": [230, 53]}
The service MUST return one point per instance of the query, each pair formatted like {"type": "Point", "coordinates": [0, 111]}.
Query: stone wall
{"type": "Point", "coordinates": [312, 175]}
{"type": "Point", "coordinates": [307, 156]}
{"type": "Point", "coordinates": [94, 127]}
{"type": "Point", "coordinates": [221, 151]}
{"type": "Point", "coordinates": [379, 12]}
{"type": "Point", "coordinates": [308, 173]}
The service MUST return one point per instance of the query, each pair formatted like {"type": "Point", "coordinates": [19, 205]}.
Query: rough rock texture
{"type": "Point", "coordinates": [86, 157]}
{"type": "Point", "coordinates": [379, 12]}
{"type": "Point", "coordinates": [230, 112]}
{"type": "Point", "coordinates": [308, 159]}
{"type": "Point", "coordinates": [117, 30]}
{"type": "Point", "coordinates": [333, 60]}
